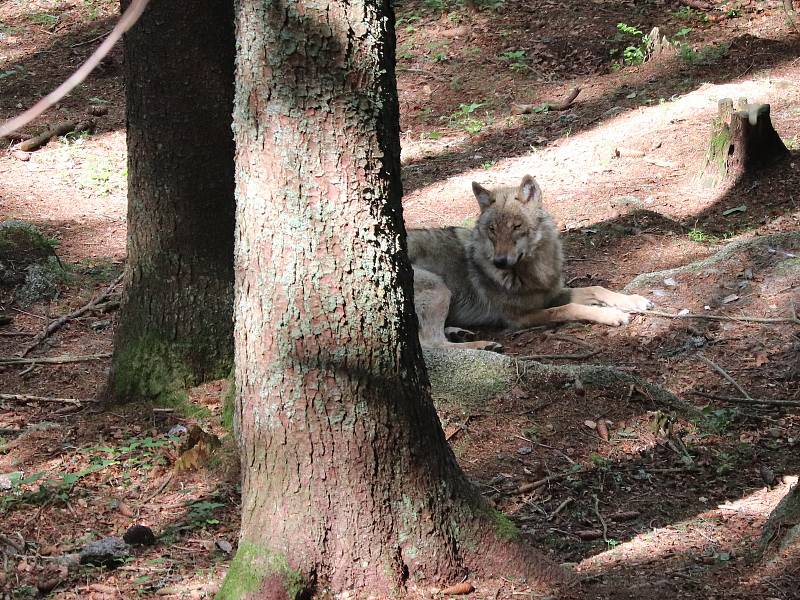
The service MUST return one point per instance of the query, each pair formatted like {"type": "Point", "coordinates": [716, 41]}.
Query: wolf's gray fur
{"type": "Point", "coordinates": [505, 272]}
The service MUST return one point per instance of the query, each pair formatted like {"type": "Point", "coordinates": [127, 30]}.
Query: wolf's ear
{"type": "Point", "coordinates": [529, 190]}
{"type": "Point", "coordinates": [483, 195]}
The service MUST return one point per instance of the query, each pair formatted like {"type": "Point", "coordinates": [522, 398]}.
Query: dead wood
{"type": "Point", "coordinates": [753, 401]}
{"type": "Point", "coordinates": [29, 398]}
{"type": "Point", "coordinates": [56, 324]}
{"type": "Point", "coordinates": [725, 375]}
{"type": "Point", "coordinates": [52, 360]}
{"type": "Point", "coordinates": [548, 105]}
{"type": "Point", "coordinates": [55, 131]}
{"type": "Point", "coordinates": [743, 141]}
{"type": "Point", "coordinates": [581, 356]}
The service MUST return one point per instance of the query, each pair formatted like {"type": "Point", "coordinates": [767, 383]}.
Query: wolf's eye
{"type": "Point", "coordinates": [517, 226]}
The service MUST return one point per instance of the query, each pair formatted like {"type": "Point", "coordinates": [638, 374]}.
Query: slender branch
{"type": "Point", "coordinates": [29, 398]}
{"type": "Point", "coordinates": [655, 313]}
{"type": "Point", "coordinates": [126, 21]}
{"type": "Point", "coordinates": [56, 324]}
{"type": "Point", "coordinates": [724, 373]}
{"type": "Point", "coordinates": [54, 360]}
{"type": "Point", "coordinates": [736, 400]}
{"type": "Point", "coordinates": [600, 517]}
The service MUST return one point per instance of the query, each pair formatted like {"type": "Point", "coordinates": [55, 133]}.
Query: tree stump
{"type": "Point", "coordinates": [742, 142]}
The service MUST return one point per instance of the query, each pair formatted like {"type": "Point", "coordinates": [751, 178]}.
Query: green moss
{"type": "Point", "coordinates": [228, 403]}
{"type": "Point", "coordinates": [504, 527]}
{"type": "Point", "coordinates": [149, 369]}
{"type": "Point", "coordinates": [251, 566]}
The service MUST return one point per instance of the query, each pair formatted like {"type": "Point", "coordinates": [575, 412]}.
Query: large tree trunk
{"type": "Point", "coordinates": [348, 481]}
{"type": "Point", "coordinates": [176, 322]}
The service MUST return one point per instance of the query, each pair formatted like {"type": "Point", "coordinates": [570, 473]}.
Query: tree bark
{"type": "Point", "coordinates": [348, 482]}
{"type": "Point", "coordinates": [176, 320]}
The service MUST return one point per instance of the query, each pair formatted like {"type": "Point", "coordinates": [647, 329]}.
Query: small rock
{"type": "Point", "coordinates": [139, 535]}
{"type": "Point", "coordinates": [108, 552]}
{"type": "Point", "coordinates": [177, 430]}
{"type": "Point", "coordinates": [524, 450]}
{"type": "Point", "coordinates": [670, 282]}
{"type": "Point", "coordinates": [7, 480]}
{"type": "Point", "coordinates": [225, 546]}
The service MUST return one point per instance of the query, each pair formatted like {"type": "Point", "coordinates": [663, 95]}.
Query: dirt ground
{"type": "Point", "coordinates": [663, 506]}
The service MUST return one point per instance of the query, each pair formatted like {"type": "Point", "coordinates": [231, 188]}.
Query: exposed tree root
{"type": "Point", "coordinates": [729, 250]}
{"type": "Point", "coordinates": [473, 376]}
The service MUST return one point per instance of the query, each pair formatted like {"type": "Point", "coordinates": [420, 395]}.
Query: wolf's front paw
{"type": "Point", "coordinates": [458, 335]}
{"type": "Point", "coordinates": [635, 302]}
{"type": "Point", "coordinates": [614, 317]}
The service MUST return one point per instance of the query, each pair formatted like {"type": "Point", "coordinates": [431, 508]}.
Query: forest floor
{"type": "Point", "coordinates": [661, 506]}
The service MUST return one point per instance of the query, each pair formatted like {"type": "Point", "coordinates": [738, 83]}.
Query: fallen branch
{"type": "Point", "coordinates": [56, 324]}
{"type": "Point", "coordinates": [744, 319]}
{"type": "Point", "coordinates": [560, 507]}
{"type": "Point", "coordinates": [55, 131]}
{"type": "Point", "coordinates": [524, 109]}
{"type": "Point", "coordinates": [29, 398]}
{"type": "Point", "coordinates": [53, 360]}
{"type": "Point", "coordinates": [600, 518]}
{"type": "Point", "coordinates": [724, 373]}
{"type": "Point", "coordinates": [737, 400]}
{"type": "Point", "coordinates": [126, 21]}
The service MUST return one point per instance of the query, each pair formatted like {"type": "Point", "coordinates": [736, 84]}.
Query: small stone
{"type": "Point", "coordinates": [109, 552]}
{"type": "Point", "coordinates": [524, 450]}
{"type": "Point", "coordinates": [139, 535]}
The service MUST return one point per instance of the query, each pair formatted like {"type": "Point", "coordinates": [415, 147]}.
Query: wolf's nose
{"type": "Point", "coordinates": [501, 262]}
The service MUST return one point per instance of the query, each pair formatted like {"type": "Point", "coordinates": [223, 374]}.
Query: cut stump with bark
{"type": "Point", "coordinates": [742, 141]}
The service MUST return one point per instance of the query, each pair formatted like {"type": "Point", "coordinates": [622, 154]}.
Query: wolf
{"type": "Point", "coordinates": [505, 273]}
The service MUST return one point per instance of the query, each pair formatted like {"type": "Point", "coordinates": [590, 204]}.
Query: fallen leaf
{"type": "Point", "coordinates": [602, 430]}
{"type": "Point", "coordinates": [590, 424]}
{"type": "Point", "coordinates": [761, 358]}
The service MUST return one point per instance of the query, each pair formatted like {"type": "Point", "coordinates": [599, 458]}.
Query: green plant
{"type": "Point", "coordinates": [701, 237]}
{"type": "Point", "coordinates": [731, 11]}
{"type": "Point", "coordinates": [726, 463]}
{"type": "Point", "coordinates": [103, 174]}
{"type": "Point", "coordinates": [16, 70]}
{"type": "Point", "coordinates": [632, 54]}
{"type": "Point", "coordinates": [42, 18]}
{"type": "Point", "coordinates": [431, 135]}
{"type": "Point", "coordinates": [516, 59]}
{"type": "Point", "coordinates": [718, 420]}
{"type": "Point", "coordinates": [707, 55]}
{"type": "Point", "coordinates": [601, 462]}
{"type": "Point", "coordinates": [464, 118]}
{"type": "Point", "coordinates": [404, 51]}
{"type": "Point", "coordinates": [687, 13]}
{"type": "Point", "coordinates": [435, 5]}
{"type": "Point", "coordinates": [488, 164]}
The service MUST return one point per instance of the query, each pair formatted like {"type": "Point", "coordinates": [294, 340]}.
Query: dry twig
{"type": "Point", "coordinates": [59, 322]}
{"type": "Point", "coordinates": [51, 360]}
{"type": "Point", "coordinates": [600, 517]}
{"type": "Point", "coordinates": [756, 401]}
{"type": "Point", "coordinates": [724, 373]}
{"type": "Point", "coordinates": [655, 313]}
{"type": "Point", "coordinates": [29, 398]}
{"type": "Point", "coordinates": [522, 109]}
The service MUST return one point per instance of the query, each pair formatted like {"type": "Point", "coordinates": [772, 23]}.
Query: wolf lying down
{"type": "Point", "coordinates": [506, 272]}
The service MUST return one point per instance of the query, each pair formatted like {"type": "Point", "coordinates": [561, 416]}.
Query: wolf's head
{"type": "Point", "coordinates": [509, 228]}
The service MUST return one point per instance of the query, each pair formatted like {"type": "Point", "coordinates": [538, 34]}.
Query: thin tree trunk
{"type": "Point", "coordinates": [348, 482]}
{"type": "Point", "coordinates": [176, 325]}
